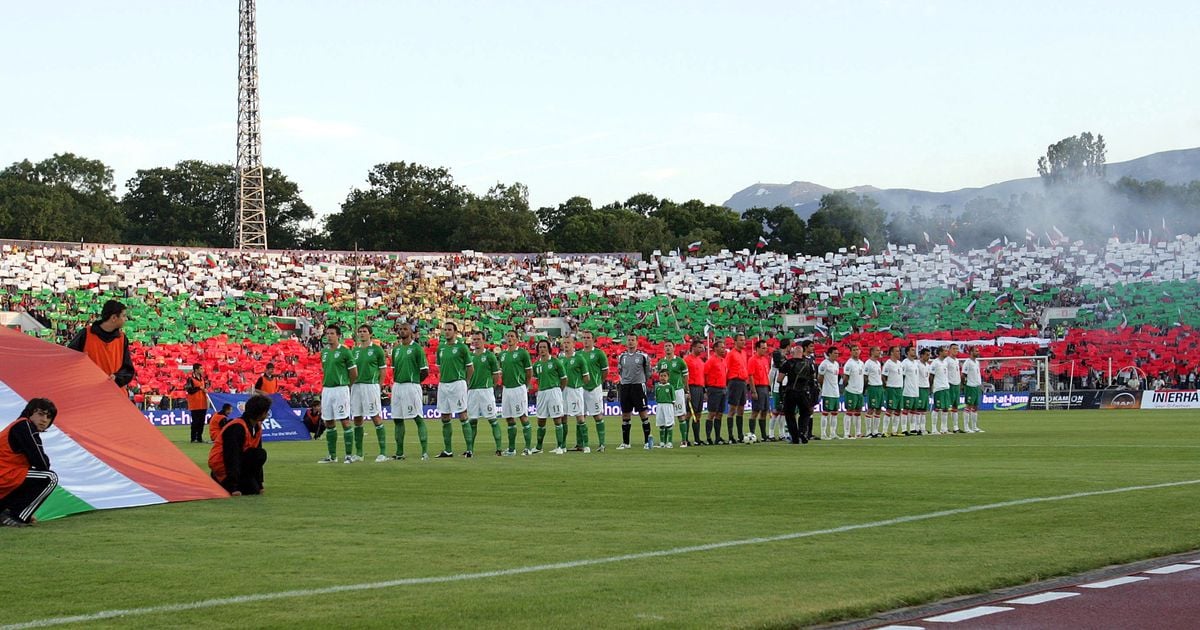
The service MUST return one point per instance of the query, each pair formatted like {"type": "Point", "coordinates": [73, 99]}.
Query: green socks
{"type": "Point", "coordinates": [423, 435]}
{"type": "Point", "coordinates": [581, 434]}
{"type": "Point", "coordinates": [670, 434]}
{"type": "Point", "coordinates": [381, 435]}
{"type": "Point", "coordinates": [600, 432]}
{"type": "Point", "coordinates": [331, 442]}
{"type": "Point", "coordinates": [348, 437]}
{"type": "Point", "coordinates": [496, 434]}
{"type": "Point", "coordinates": [512, 437]}
{"type": "Point", "coordinates": [560, 439]}
{"type": "Point", "coordinates": [468, 429]}
{"type": "Point", "coordinates": [683, 430]}
{"type": "Point", "coordinates": [527, 431]}
{"type": "Point", "coordinates": [541, 436]}
{"type": "Point", "coordinates": [358, 440]}
{"type": "Point", "coordinates": [447, 435]}
{"type": "Point", "coordinates": [399, 436]}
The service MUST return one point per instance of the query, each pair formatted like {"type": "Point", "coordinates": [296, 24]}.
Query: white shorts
{"type": "Point", "coordinates": [406, 401]}
{"type": "Point", "coordinates": [514, 402]}
{"type": "Point", "coordinates": [364, 400]}
{"type": "Point", "coordinates": [550, 403]}
{"type": "Point", "coordinates": [335, 403]}
{"type": "Point", "coordinates": [593, 402]}
{"type": "Point", "coordinates": [481, 404]}
{"type": "Point", "coordinates": [771, 376]}
{"type": "Point", "coordinates": [452, 397]}
{"type": "Point", "coordinates": [573, 399]}
{"type": "Point", "coordinates": [680, 403]}
{"type": "Point", "coordinates": [665, 416]}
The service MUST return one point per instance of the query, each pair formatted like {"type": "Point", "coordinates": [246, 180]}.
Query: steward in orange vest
{"type": "Point", "coordinates": [106, 345]}
{"type": "Point", "coordinates": [25, 476]}
{"type": "Point", "coordinates": [197, 401]}
{"type": "Point", "coordinates": [237, 457]}
{"type": "Point", "coordinates": [267, 384]}
{"type": "Point", "coordinates": [214, 423]}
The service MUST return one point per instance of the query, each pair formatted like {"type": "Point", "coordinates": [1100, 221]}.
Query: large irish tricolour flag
{"type": "Point", "coordinates": [105, 453]}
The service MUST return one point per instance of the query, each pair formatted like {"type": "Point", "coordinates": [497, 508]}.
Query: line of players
{"type": "Point", "coordinates": [895, 393]}
{"type": "Point", "coordinates": [568, 386]}
{"type": "Point", "coordinates": [893, 396]}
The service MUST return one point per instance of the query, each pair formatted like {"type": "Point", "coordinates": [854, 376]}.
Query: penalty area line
{"type": "Point", "coordinates": [573, 564]}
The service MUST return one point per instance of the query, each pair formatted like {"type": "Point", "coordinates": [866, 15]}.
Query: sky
{"type": "Point", "coordinates": [691, 99]}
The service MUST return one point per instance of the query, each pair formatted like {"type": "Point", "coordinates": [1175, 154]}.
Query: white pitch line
{"type": "Point", "coordinates": [573, 564]}
{"type": "Point", "coordinates": [1121, 581]}
{"type": "Point", "coordinates": [1174, 568]}
{"type": "Point", "coordinates": [970, 613]}
{"type": "Point", "coordinates": [1042, 598]}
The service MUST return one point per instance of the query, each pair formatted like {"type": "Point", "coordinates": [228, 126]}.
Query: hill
{"type": "Point", "coordinates": [1174, 167]}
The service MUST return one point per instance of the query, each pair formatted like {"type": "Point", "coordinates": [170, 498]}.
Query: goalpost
{"type": "Point", "coordinates": [1028, 373]}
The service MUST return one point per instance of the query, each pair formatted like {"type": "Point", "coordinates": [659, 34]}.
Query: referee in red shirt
{"type": "Point", "coordinates": [715, 381]}
{"type": "Point", "coordinates": [695, 366]}
{"type": "Point", "coordinates": [738, 374]}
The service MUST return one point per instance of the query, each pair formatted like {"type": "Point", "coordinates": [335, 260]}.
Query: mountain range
{"type": "Point", "coordinates": [1174, 167]}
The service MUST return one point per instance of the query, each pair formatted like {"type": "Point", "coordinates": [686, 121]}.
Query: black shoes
{"type": "Point", "coordinates": [8, 519]}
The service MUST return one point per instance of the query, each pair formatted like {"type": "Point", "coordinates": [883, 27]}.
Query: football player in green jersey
{"type": "Point", "coordinates": [676, 371]}
{"type": "Point", "coordinates": [364, 394]}
{"type": "Point", "coordinates": [516, 370]}
{"type": "Point", "coordinates": [410, 368]}
{"type": "Point", "coordinates": [593, 384]}
{"type": "Point", "coordinates": [339, 373]}
{"type": "Point", "coordinates": [576, 368]}
{"type": "Point", "coordinates": [455, 368]}
{"type": "Point", "coordinates": [550, 383]}
{"type": "Point", "coordinates": [481, 397]}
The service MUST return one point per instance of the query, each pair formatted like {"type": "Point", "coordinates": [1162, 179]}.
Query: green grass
{"type": "Point", "coordinates": [321, 526]}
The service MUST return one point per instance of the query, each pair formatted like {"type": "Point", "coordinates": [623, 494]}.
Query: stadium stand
{"type": "Point", "coordinates": [1137, 303]}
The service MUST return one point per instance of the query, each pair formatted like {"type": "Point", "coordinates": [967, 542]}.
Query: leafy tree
{"type": "Point", "coordinates": [195, 203]}
{"type": "Point", "coordinates": [724, 227]}
{"type": "Point", "coordinates": [1073, 159]}
{"type": "Point", "coordinates": [784, 230]}
{"type": "Point", "coordinates": [62, 198]}
{"type": "Point", "coordinates": [553, 219]}
{"type": "Point", "coordinates": [643, 203]}
{"type": "Point", "coordinates": [407, 207]}
{"type": "Point", "coordinates": [500, 221]}
{"type": "Point", "coordinates": [843, 219]}
{"type": "Point", "coordinates": [188, 204]}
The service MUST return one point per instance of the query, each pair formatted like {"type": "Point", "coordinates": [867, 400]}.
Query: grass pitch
{"type": "Point", "coordinates": [325, 526]}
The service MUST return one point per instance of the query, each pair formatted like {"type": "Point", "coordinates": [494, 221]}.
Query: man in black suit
{"type": "Point", "coordinates": [798, 382]}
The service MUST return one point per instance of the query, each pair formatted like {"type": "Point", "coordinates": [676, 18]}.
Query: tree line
{"type": "Point", "coordinates": [413, 207]}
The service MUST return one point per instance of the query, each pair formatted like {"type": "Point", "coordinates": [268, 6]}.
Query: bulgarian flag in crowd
{"type": "Point", "coordinates": [762, 242]}
{"type": "Point", "coordinates": [950, 240]}
{"type": "Point", "coordinates": [210, 260]}
{"type": "Point", "coordinates": [286, 324]}
{"type": "Point", "coordinates": [695, 247]}
{"type": "Point", "coordinates": [971, 307]}
{"type": "Point", "coordinates": [995, 246]}
{"type": "Point", "coordinates": [105, 452]}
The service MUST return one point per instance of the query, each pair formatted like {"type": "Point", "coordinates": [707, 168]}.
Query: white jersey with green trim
{"type": "Point", "coordinates": [970, 368]}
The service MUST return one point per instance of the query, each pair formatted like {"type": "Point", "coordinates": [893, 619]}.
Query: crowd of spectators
{"type": "Point", "coordinates": [919, 290]}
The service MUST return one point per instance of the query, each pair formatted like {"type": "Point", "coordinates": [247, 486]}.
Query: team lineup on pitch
{"type": "Point", "coordinates": [910, 393]}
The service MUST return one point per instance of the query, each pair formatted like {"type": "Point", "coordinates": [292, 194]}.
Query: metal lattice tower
{"type": "Point", "coordinates": [252, 206]}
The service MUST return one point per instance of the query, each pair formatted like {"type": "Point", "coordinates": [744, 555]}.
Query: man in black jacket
{"type": "Point", "coordinates": [798, 381]}
{"type": "Point", "coordinates": [25, 476]}
{"type": "Point", "coordinates": [237, 457]}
